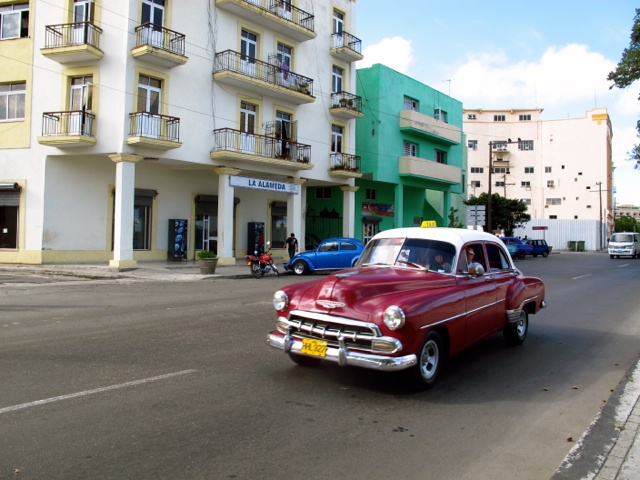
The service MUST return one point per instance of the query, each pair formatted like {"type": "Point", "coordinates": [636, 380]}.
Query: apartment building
{"type": "Point", "coordinates": [411, 146]}
{"type": "Point", "coordinates": [562, 169]}
{"type": "Point", "coordinates": [627, 210]}
{"type": "Point", "coordinates": [135, 130]}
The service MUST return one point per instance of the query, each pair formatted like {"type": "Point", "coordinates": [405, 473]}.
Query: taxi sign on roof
{"type": "Point", "coordinates": [429, 224]}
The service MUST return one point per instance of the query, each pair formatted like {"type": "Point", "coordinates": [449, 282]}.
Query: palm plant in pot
{"type": "Point", "coordinates": [207, 261]}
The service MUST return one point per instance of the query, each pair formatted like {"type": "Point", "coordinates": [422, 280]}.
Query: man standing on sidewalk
{"type": "Point", "coordinates": [292, 245]}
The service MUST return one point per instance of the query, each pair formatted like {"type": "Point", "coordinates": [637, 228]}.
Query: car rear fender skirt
{"type": "Point", "coordinates": [529, 305]}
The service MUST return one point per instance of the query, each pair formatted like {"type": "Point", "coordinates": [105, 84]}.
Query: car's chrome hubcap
{"type": "Point", "coordinates": [429, 359]}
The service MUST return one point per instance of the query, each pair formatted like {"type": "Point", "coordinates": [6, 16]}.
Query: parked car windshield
{"type": "Point", "coordinates": [417, 251]}
{"type": "Point", "coordinates": [621, 237]}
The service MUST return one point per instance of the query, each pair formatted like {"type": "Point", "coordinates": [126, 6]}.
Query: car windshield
{"type": "Point", "coordinates": [429, 254]}
{"type": "Point", "coordinates": [622, 237]}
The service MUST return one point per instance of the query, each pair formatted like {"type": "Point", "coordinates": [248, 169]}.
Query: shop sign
{"type": "Point", "coordinates": [263, 184]}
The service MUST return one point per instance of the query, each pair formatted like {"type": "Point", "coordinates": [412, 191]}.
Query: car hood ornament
{"type": "Point", "coordinates": [330, 304]}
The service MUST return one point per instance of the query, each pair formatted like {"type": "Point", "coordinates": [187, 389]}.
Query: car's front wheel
{"type": "Point", "coordinates": [430, 360]}
{"type": "Point", "coordinates": [515, 334]}
{"type": "Point", "coordinates": [300, 268]}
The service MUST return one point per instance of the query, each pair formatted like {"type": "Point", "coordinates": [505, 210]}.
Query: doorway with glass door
{"type": "Point", "coordinates": [83, 12]}
{"type": "Point", "coordinates": [80, 97]}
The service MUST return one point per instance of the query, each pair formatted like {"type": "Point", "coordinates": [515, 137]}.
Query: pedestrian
{"type": "Point", "coordinates": [292, 245]}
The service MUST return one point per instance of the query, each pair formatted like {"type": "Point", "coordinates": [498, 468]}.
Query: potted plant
{"type": "Point", "coordinates": [207, 261]}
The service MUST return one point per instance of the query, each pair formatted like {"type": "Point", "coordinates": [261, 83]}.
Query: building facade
{"type": "Point", "coordinates": [150, 129]}
{"type": "Point", "coordinates": [410, 143]}
{"type": "Point", "coordinates": [562, 169]}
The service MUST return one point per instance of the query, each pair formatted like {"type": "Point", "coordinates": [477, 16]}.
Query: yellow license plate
{"type": "Point", "coordinates": [317, 348]}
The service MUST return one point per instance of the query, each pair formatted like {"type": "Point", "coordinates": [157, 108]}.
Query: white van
{"type": "Point", "coordinates": [624, 244]}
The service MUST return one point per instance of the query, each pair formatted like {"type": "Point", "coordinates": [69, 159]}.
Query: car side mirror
{"type": "Point", "coordinates": [479, 270]}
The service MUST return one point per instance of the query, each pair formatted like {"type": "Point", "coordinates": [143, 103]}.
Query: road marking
{"type": "Point", "coordinates": [91, 392]}
{"type": "Point", "coordinates": [581, 276]}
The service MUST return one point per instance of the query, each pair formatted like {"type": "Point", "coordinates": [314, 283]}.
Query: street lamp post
{"type": "Point", "coordinates": [600, 190]}
{"type": "Point", "coordinates": [489, 199]}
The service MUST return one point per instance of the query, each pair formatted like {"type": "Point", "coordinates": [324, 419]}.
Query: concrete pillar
{"type": "Point", "coordinates": [295, 211]}
{"type": "Point", "coordinates": [348, 210]}
{"type": "Point", "coordinates": [123, 211]}
{"type": "Point", "coordinates": [225, 215]}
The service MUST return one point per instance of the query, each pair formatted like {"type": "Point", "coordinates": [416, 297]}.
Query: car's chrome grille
{"type": "Point", "coordinates": [355, 336]}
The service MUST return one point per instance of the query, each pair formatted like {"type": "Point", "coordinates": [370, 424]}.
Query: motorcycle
{"type": "Point", "coordinates": [262, 263]}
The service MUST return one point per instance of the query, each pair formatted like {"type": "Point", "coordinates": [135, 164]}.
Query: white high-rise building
{"type": "Point", "coordinates": [136, 130]}
{"type": "Point", "coordinates": [562, 169]}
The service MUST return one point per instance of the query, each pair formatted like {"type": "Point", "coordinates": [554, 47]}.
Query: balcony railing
{"type": "Point", "coordinates": [67, 124]}
{"type": "Point", "coordinates": [154, 126]}
{"type": "Point", "coordinates": [159, 37]}
{"type": "Point", "coordinates": [344, 162]}
{"type": "Point", "coordinates": [346, 100]}
{"type": "Point", "coordinates": [285, 9]}
{"type": "Point", "coordinates": [346, 40]}
{"type": "Point", "coordinates": [266, 72]}
{"type": "Point", "coordinates": [72, 34]}
{"type": "Point", "coordinates": [230, 140]}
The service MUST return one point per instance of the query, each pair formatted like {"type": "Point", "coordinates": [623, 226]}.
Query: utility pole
{"type": "Point", "coordinates": [488, 225]}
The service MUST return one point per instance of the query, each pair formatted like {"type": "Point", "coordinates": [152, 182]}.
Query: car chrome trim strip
{"type": "Point", "coordinates": [461, 314]}
{"type": "Point", "coordinates": [342, 356]}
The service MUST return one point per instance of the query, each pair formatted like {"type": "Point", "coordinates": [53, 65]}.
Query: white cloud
{"type": "Point", "coordinates": [395, 53]}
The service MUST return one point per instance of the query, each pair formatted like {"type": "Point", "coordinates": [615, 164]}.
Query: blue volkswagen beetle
{"type": "Point", "coordinates": [331, 254]}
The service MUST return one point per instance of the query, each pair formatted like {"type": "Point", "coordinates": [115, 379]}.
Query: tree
{"type": "Point", "coordinates": [627, 224]}
{"type": "Point", "coordinates": [454, 221]}
{"type": "Point", "coordinates": [627, 72]}
{"type": "Point", "coordinates": [506, 213]}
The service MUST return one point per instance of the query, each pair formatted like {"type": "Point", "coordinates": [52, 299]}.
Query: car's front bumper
{"type": "Point", "coordinates": [342, 356]}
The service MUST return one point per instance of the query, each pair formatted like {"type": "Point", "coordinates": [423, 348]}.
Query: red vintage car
{"type": "Point", "coordinates": [416, 297]}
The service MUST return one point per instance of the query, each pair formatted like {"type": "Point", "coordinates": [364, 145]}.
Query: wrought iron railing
{"type": "Point", "coordinates": [159, 37]}
{"type": "Point", "coordinates": [230, 140]}
{"type": "Point", "coordinates": [69, 123]}
{"type": "Point", "coordinates": [345, 161]}
{"type": "Point", "coordinates": [154, 126]}
{"type": "Point", "coordinates": [267, 72]}
{"type": "Point", "coordinates": [284, 9]}
{"type": "Point", "coordinates": [344, 39]}
{"type": "Point", "coordinates": [346, 100]}
{"type": "Point", "coordinates": [70, 34]}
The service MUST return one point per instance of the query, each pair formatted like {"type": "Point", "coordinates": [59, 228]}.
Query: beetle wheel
{"type": "Point", "coordinates": [516, 334]}
{"type": "Point", "coordinates": [299, 267]}
{"type": "Point", "coordinates": [424, 374]}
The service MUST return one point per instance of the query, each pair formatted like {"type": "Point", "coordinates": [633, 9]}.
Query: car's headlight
{"type": "Point", "coordinates": [394, 317]}
{"type": "Point", "coordinates": [280, 301]}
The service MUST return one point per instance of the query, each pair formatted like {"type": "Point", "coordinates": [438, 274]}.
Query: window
{"type": "Point", "coordinates": [528, 169]}
{"type": "Point", "coordinates": [336, 83]}
{"type": "Point", "coordinates": [153, 12]}
{"type": "Point", "coordinates": [323, 193]}
{"type": "Point", "coordinates": [14, 21]}
{"type": "Point", "coordinates": [526, 201]}
{"type": "Point", "coordinates": [142, 203]}
{"type": "Point", "coordinates": [550, 184]}
{"type": "Point", "coordinates": [370, 193]}
{"type": "Point", "coordinates": [525, 184]}
{"type": "Point", "coordinates": [80, 98]}
{"type": "Point", "coordinates": [248, 115]}
{"type": "Point", "coordinates": [285, 131]}
{"type": "Point", "coordinates": [337, 135]}
{"type": "Point", "coordinates": [440, 114]}
{"type": "Point", "coordinates": [248, 52]}
{"type": "Point", "coordinates": [472, 144]}
{"type": "Point", "coordinates": [475, 183]}
{"type": "Point", "coordinates": [477, 169]}
{"type": "Point", "coordinates": [499, 118]}
{"type": "Point", "coordinates": [471, 116]}
{"type": "Point", "coordinates": [499, 146]}
{"type": "Point", "coordinates": [524, 118]}
{"type": "Point", "coordinates": [500, 184]}
{"type": "Point", "coordinates": [338, 21]}
{"type": "Point", "coordinates": [503, 170]}
{"type": "Point", "coordinates": [410, 104]}
{"type": "Point", "coordinates": [547, 169]}
{"type": "Point", "coordinates": [553, 217]}
{"type": "Point", "coordinates": [12, 99]}
{"type": "Point", "coordinates": [410, 149]}
{"type": "Point", "coordinates": [441, 156]}
{"type": "Point", "coordinates": [554, 201]}
{"type": "Point", "coordinates": [525, 145]}
{"type": "Point", "coordinates": [284, 55]}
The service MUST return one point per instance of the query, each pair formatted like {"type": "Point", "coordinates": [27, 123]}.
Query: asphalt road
{"type": "Point", "coordinates": [121, 379]}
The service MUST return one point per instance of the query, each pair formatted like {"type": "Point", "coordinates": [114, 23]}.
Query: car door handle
{"type": "Point", "coordinates": [488, 278]}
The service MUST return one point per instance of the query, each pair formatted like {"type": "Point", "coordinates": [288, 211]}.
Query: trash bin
{"type": "Point", "coordinates": [581, 245]}
{"type": "Point", "coordinates": [571, 244]}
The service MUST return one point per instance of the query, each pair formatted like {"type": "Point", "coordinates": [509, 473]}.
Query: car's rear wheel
{"type": "Point", "coordinates": [299, 267]}
{"type": "Point", "coordinates": [521, 255]}
{"type": "Point", "coordinates": [304, 361]}
{"type": "Point", "coordinates": [430, 360]}
{"type": "Point", "coordinates": [545, 254]}
{"type": "Point", "coordinates": [515, 334]}
{"type": "Point", "coordinates": [535, 255]}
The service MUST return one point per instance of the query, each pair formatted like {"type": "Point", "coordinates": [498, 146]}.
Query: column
{"type": "Point", "coordinates": [348, 210]}
{"type": "Point", "coordinates": [123, 211]}
{"type": "Point", "coordinates": [225, 215]}
{"type": "Point", "coordinates": [295, 211]}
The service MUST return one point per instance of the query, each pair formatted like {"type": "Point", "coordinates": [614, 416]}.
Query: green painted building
{"type": "Point", "coordinates": [412, 156]}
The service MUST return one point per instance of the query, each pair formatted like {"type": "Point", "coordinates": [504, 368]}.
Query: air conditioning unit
{"type": "Point", "coordinates": [546, 206]}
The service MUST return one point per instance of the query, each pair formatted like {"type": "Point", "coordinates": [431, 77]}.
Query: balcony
{"type": "Point", "coordinates": [235, 145]}
{"type": "Point", "coordinates": [233, 68]}
{"type": "Point", "coordinates": [421, 167]}
{"type": "Point", "coordinates": [72, 42]}
{"type": "Point", "coordinates": [344, 165]}
{"type": "Point", "coordinates": [154, 131]}
{"type": "Point", "coordinates": [346, 105]}
{"type": "Point", "coordinates": [421, 125]}
{"type": "Point", "coordinates": [278, 15]}
{"type": "Point", "coordinates": [346, 47]}
{"type": "Point", "coordinates": [67, 129]}
{"type": "Point", "coordinates": [159, 46]}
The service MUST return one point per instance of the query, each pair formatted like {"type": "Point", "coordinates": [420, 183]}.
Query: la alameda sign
{"type": "Point", "coordinates": [262, 184]}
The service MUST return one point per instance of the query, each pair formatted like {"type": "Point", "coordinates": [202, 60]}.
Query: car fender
{"type": "Point", "coordinates": [525, 291]}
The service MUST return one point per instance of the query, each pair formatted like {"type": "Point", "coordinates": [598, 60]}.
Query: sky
{"type": "Point", "coordinates": [549, 54]}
